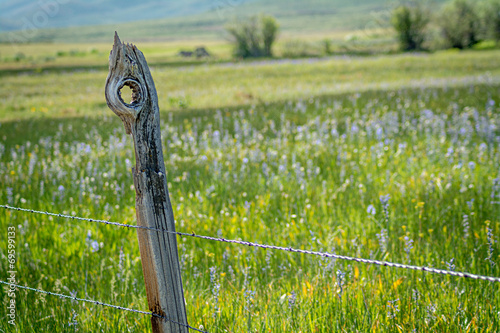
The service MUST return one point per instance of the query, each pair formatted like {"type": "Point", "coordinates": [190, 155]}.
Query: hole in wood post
{"type": "Point", "coordinates": [130, 93]}
{"type": "Point", "coordinates": [126, 94]}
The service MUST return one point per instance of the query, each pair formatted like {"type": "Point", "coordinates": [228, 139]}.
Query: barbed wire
{"type": "Point", "coordinates": [280, 248]}
{"type": "Point", "coordinates": [77, 218]}
{"type": "Point", "coordinates": [102, 304]}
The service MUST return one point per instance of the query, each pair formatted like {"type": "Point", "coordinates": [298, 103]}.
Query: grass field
{"type": "Point", "coordinates": [392, 157]}
{"type": "Point", "coordinates": [38, 57]}
{"type": "Point", "coordinates": [63, 90]}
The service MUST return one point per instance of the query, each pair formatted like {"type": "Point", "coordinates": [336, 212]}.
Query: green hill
{"type": "Point", "coordinates": [14, 14]}
{"type": "Point", "coordinates": [206, 20]}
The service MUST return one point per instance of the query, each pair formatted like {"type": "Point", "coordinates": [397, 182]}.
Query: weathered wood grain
{"type": "Point", "coordinates": [160, 260]}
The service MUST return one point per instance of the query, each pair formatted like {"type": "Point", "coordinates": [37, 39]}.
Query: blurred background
{"type": "Point", "coordinates": [303, 28]}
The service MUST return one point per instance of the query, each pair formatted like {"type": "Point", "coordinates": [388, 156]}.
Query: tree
{"type": "Point", "coordinates": [410, 22]}
{"type": "Point", "coordinates": [269, 33]}
{"type": "Point", "coordinates": [491, 20]}
{"type": "Point", "coordinates": [254, 37]}
{"type": "Point", "coordinates": [460, 24]}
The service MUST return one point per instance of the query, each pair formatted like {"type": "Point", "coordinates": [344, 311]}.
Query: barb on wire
{"type": "Point", "coordinates": [102, 304]}
{"type": "Point", "coordinates": [280, 248]}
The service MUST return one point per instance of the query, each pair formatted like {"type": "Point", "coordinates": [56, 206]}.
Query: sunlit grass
{"type": "Point", "coordinates": [389, 158]}
{"type": "Point", "coordinates": [79, 93]}
{"type": "Point", "coordinates": [299, 174]}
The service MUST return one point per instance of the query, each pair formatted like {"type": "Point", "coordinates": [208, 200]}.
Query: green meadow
{"type": "Point", "coordinates": [390, 157]}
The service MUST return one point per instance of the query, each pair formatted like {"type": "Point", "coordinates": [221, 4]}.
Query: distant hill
{"type": "Point", "coordinates": [66, 13]}
{"type": "Point", "coordinates": [188, 19]}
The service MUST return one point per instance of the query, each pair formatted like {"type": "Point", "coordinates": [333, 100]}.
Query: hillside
{"type": "Point", "coordinates": [193, 19]}
{"type": "Point", "coordinates": [15, 13]}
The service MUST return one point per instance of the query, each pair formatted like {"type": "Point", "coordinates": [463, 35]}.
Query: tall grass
{"type": "Point", "coordinates": [406, 175]}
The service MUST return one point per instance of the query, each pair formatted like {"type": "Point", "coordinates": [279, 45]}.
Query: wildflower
{"type": "Point", "coordinates": [215, 289]}
{"type": "Point", "coordinates": [249, 298]}
{"type": "Point", "coordinates": [393, 309]}
{"type": "Point", "coordinates": [210, 190]}
{"type": "Point", "coordinates": [10, 197]}
{"type": "Point", "coordinates": [415, 295]}
{"type": "Point", "coordinates": [371, 210]}
{"type": "Point", "coordinates": [382, 240]}
{"type": "Point", "coordinates": [431, 310]}
{"type": "Point", "coordinates": [268, 261]}
{"type": "Point", "coordinates": [427, 114]}
{"type": "Point", "coordinates": [465, 224]}
{"type": "Point", "coordinates": [491, 242]}
{"type": "Point", "coordinates": [495, 191]}
{"type": "Point", "coordinates": [451, 265]}
{"type": "Point", "coordinates": [32, 163]}
{"type": "Point", "coordinates": [470, 204]}
{"type": "Point", "coordinates": [61, 191]}
{"type": "Point", "coordinates": [384, 199]}
{"type": "Point", "coordinates": [73, 321]}
{"type": "Point", "coordinates": [340, 282]}
{"type": "Point", "coordinates": [292, 300]}
{"type": "Point", "coordinates": [265, 170]}
{"type": "Point", "coordinates": [313, 238]}
{"type": "Point", "coordinates": [408, 247]}
{"type": "Point", "coordinates": [120, 262]}
{"type": "Point", "coordinates": [95, 246]}
{"type": "Point", "coordinates": [231, 271]}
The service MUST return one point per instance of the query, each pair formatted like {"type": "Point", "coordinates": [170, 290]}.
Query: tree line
{"type": "Point", "coordinates": [462, 23]}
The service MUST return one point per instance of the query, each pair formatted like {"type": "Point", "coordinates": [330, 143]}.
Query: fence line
{"type": "Point", "coordinates": [280, 248]}
{"type": "Point", "coordinates": [100, 303]}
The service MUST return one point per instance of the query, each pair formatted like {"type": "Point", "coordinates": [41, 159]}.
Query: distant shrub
{"type": "Point", "coordinates": [199, 52]}
{"type": "Point", "coordinates": [19, 56]}
{"type": "Point", "coordinates": [460, 24]}
{"type": "Point", "coordinates": [297, 48]}
{"type": "Point", "coordinates": [410, 21]}
{"type": "Point", "coordinates": [254, 37]}
{"type": "Point", "coordinates": [76, 53]}
{"type": "Point", "coordinates": [327, 46]}
{"type": "Point", "coordinates": [179, 102]}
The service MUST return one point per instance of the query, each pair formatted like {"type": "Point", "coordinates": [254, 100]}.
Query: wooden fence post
{"type": "Point", "coordinates": [141, 117]}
